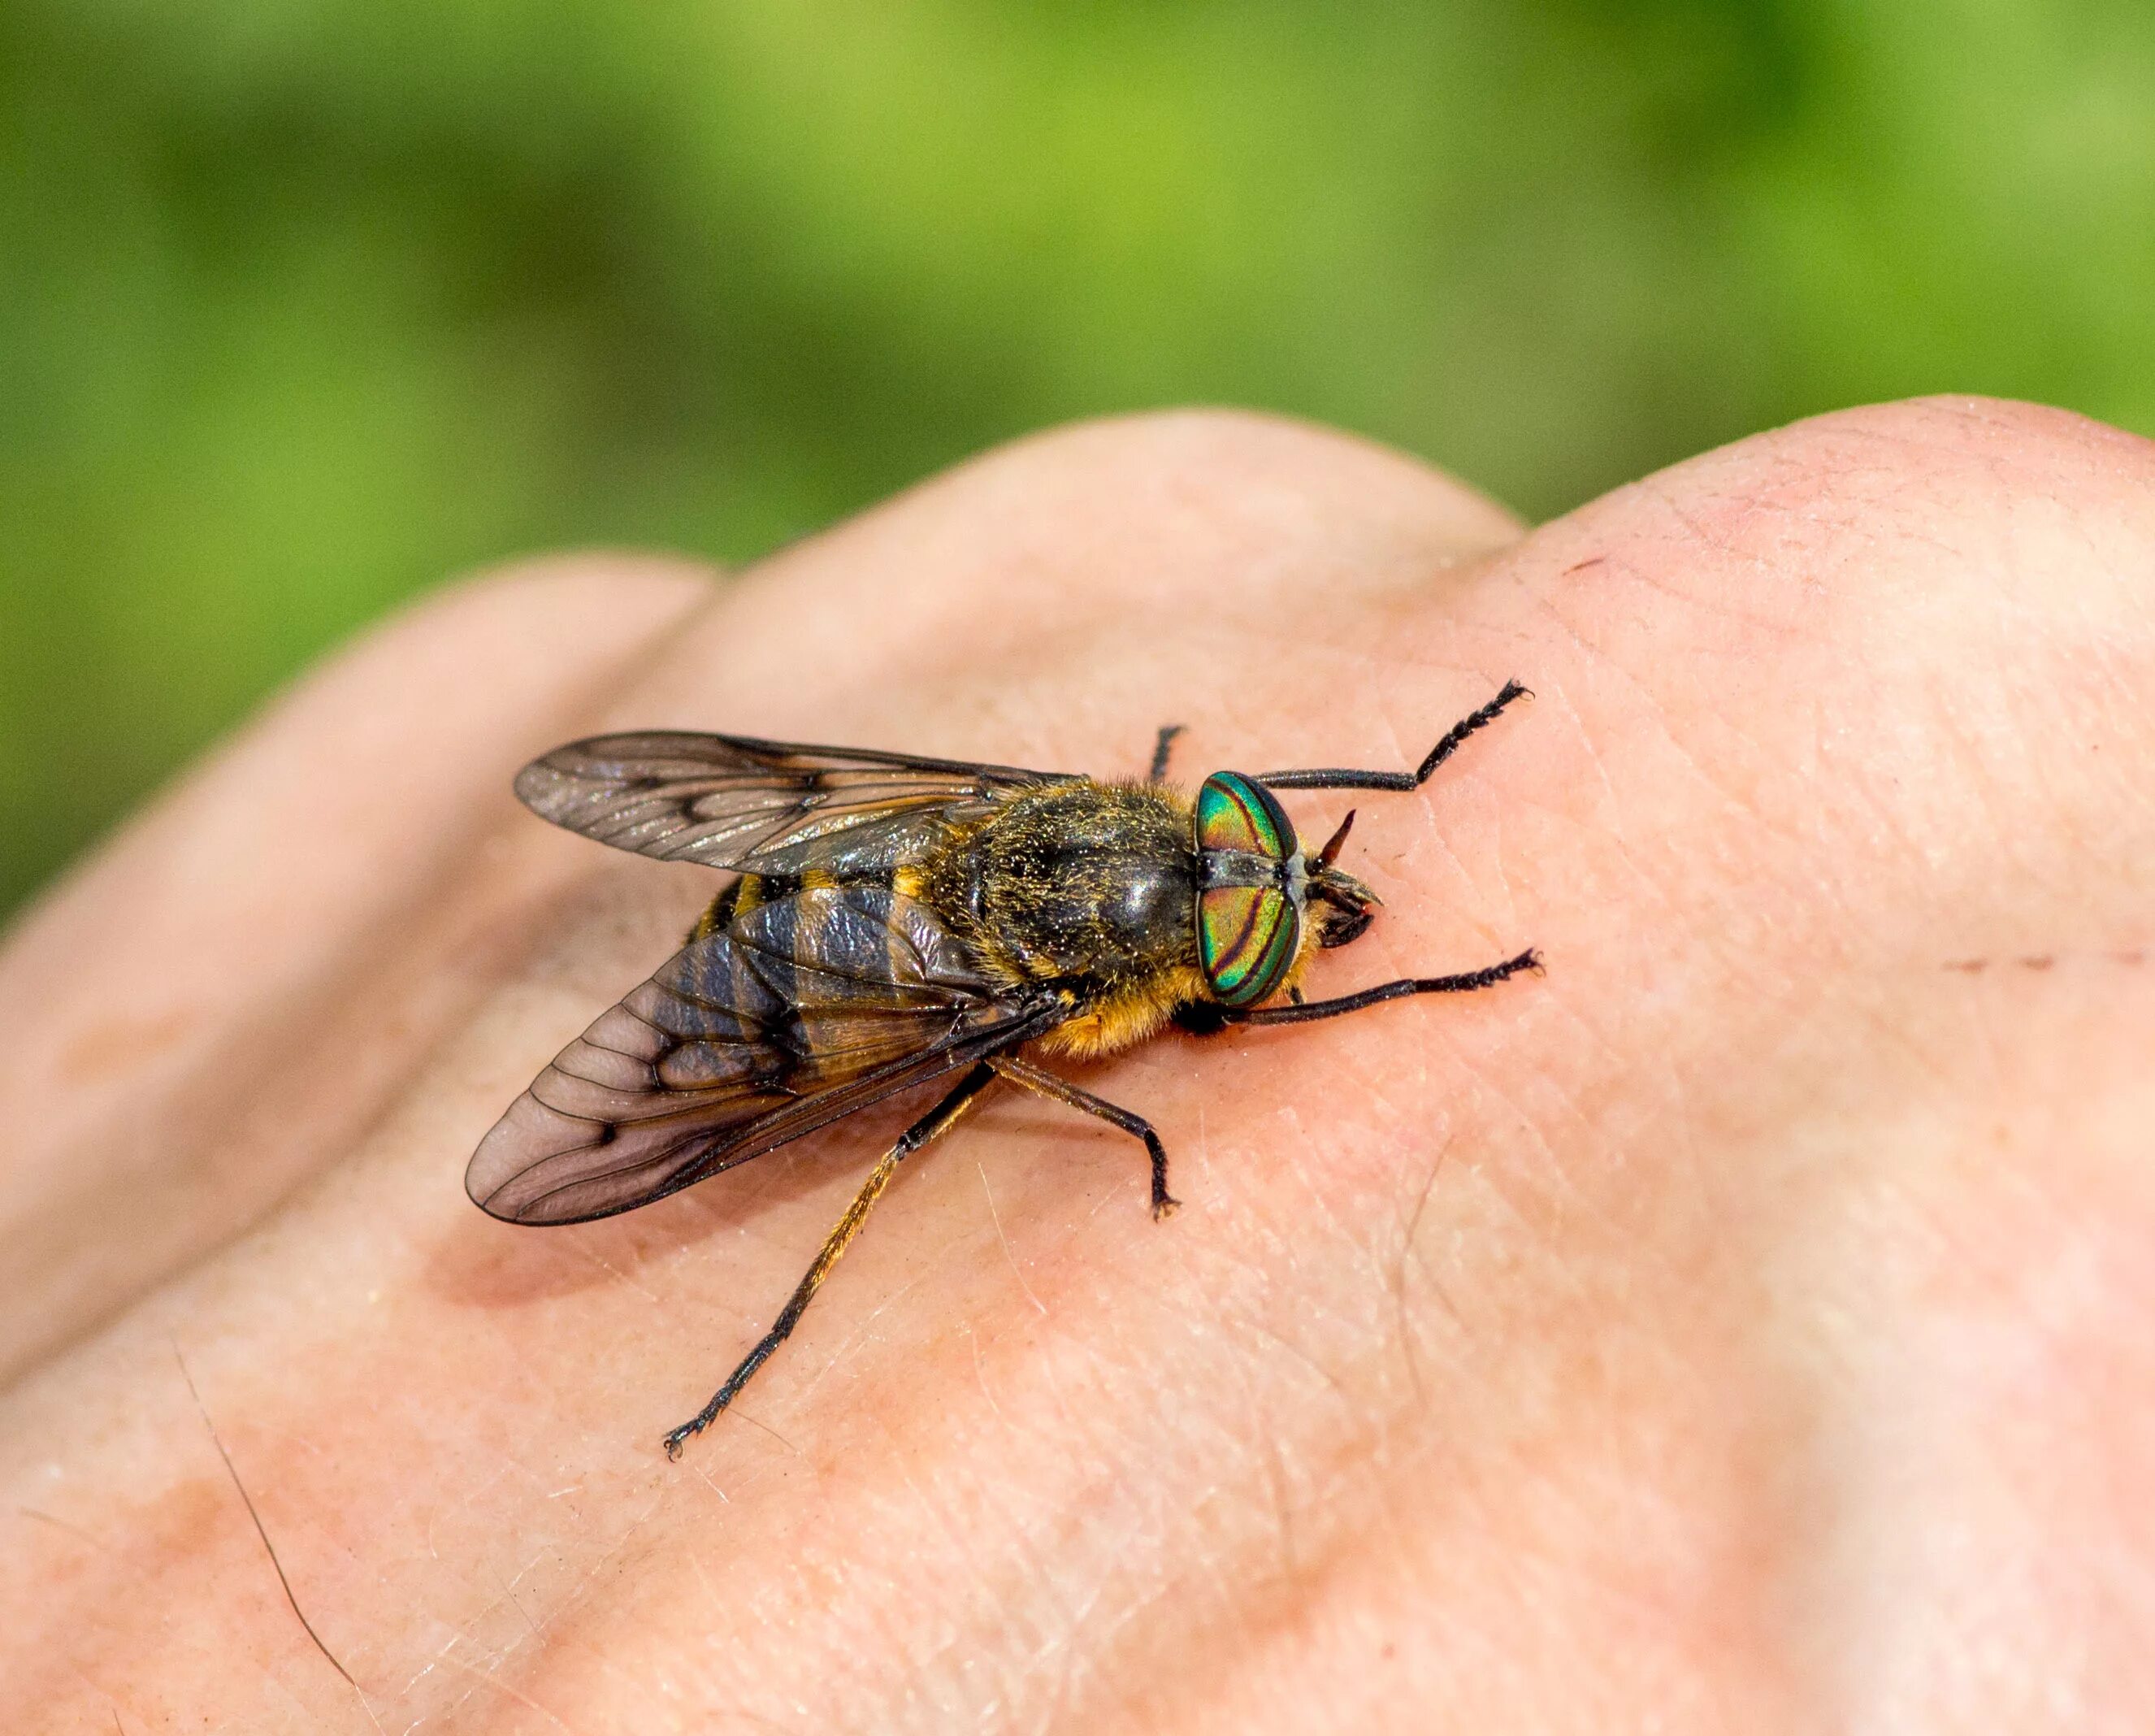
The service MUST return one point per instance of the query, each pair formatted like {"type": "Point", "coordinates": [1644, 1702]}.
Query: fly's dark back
{"type": "Point", "coordinates": [1089, 884]}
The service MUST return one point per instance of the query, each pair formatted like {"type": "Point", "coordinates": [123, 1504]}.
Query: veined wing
{"type": "Point", "coordinates": [765, 807]}
{"type": "Point", "coordinates": [799, 1012]}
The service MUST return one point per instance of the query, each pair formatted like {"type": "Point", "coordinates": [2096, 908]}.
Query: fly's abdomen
{"type": "Point", "coordinates": [744, 895]}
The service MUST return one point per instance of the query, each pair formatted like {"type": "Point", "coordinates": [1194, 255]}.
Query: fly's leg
{"type": "Point", "coordinates": [1465, 983]}
{"type": "Point", "coordinates": [1206, 1019]}
{"type": "Point", "coordinates": [1161, 749]}
{"type": "Point", "coordinates": [1340, 779]}
{"type": "Point", "coordinates": [937, 1121]}
{"type": "Point", "coordinates": [1062, 1091]}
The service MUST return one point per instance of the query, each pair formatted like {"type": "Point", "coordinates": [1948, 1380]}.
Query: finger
{"type": "Point", "coordinates": [204, 1011]}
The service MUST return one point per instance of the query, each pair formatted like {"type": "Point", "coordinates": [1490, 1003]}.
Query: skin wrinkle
{"type": "Point", "coordinates": [538, 1555]}
{"type": "Point", "coordinates": [1695, 602]}
{"type": "Point", "coordinates": [1561, 1188]}
{"type": "Point", "coordinates": [1280, 1499]}
{"type": "Point", "coordinates": [623, 1679]}
{"type": "Point", "coordinates": [980, 1375]}
{"type": "Point", "coordinates": [1315, 1203]}
{"type": "Point", "coordinates": [1749, 506]}
{"type": "Point", "coordinates": [1150, 1595]}
{"type": "Point", "coordinates": [859, 1334]}
{"type": "Point", "coordinates": [1068, 1416]}
{"type": "Point", "coordinates": [561, 1606]}
{"type": "Point", "coordinates": [1410, 1250]}
{"type": "Point", "coordinates": [1032, 1641]}
{"type": "Point", "coordinates": [1497, 1195]}
{"type": "Point", "coordinates": [957, 1536]}
{"type": "Point", "coordinates": [2006, 473]}
{"type": "Point", "coordinates": [954, 1534]}
{"type": "Point", "coordinates": [1277, 1480]}
{"type": "Point", "coordinates": [1645, 881]}
{"type": "Point", "coordinates": [1009, 1258]}
{"type": "Point", "coordinates": [509, 1597]}
{"type": "Point", "coordinates": [509, 1690]}
{"type": "Point", "coordinates": [1668, 738]}
{"type": "Point", "coordinates": [1304, 1608]}
{"type": "Point", "coordinates": [2067, 824]}
{"type": "Point", "coordinates": [1064, 1646]}
{"type": "Point", "coordinates": [1960, 743]}
{"type": "Point", "coordinates": [1640, 878]}
{"type": "Point", "coordinates": [619, 1278]}
{"type": "Point", "coordinates": [1067, 1664]}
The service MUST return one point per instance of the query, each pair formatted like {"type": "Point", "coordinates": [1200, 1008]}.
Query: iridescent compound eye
{"type": "Point", "coordinates": [1248, 927]}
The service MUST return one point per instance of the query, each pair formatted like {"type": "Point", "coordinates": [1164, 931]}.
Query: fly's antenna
{"type": "Point", "coordinates": [1350, 900]}
{"type": "Point", "coordinates": [1325, 857]}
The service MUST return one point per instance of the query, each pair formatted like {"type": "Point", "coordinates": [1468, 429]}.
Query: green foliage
{"type": "Point", "coordinates": [305, 306]}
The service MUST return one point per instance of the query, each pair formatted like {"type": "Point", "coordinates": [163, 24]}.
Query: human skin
{"type": "Point", "coordinates": [1748, 1324]}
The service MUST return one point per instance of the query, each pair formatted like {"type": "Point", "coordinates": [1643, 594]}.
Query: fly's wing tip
{"type": "Point", "coordinates": [491, 1176]}
{"type": "Point", "coordinates": [495, 1195]}
{"type": "Point", "coordinates": [546, 786]}
{"type": "Point", "coordinates": [588, 1154]}
{"type": "Point", "coordinates": [526, 1169]}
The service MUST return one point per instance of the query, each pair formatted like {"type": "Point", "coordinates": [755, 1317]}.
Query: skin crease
{"type": "Point", "coordinates": [1745, 1326]}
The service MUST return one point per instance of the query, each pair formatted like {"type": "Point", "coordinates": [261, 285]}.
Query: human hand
{"type": "Point", "coordinates": [1745, 1326]}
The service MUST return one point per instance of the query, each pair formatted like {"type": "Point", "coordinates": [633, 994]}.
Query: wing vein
{"type": "Point", "coordinates": [801, 1010]}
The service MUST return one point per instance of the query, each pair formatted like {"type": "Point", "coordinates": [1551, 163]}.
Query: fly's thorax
{"type": "Point", "coordinates": [1085, 881]}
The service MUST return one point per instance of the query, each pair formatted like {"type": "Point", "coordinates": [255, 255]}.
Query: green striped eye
{"type": "Point", "coordinates": [1248, 928]}
{"type": "Point", "coordinates": [1234, 813]}
{"type": "Point", "coordinates": [1247, 938]}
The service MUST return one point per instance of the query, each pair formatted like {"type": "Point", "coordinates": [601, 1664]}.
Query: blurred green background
{"type": "Point", "coordinates": [307, 303]}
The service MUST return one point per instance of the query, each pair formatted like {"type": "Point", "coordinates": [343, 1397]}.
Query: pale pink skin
{"type": "Point", "coordinates": [1747, 1326]}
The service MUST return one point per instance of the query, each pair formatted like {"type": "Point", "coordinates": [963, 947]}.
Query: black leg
{"type": "Point", "coordinates": [1461, 983]}
{"type": "Point", "coordinates": [938, 1120]}
{"type": "Point", "coordinates": [1034, 1079]}
{"type": "Point", "coordinates": [1161, 749]}
{"type": "Point", "coordinates": [1344, 779]}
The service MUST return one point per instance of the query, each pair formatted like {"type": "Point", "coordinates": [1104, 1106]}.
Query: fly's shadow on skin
{"type": "Point", "coordinates": [485, 1264]}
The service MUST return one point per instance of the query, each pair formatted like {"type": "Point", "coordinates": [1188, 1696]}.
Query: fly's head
{"type": "Point", "coordinates": [1258, 895]}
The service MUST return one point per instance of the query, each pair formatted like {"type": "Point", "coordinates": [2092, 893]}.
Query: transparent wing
{"type": "Point", "coordinates": [773, 807]}
{"type": "Point", "coordinates": [802, 1010]}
